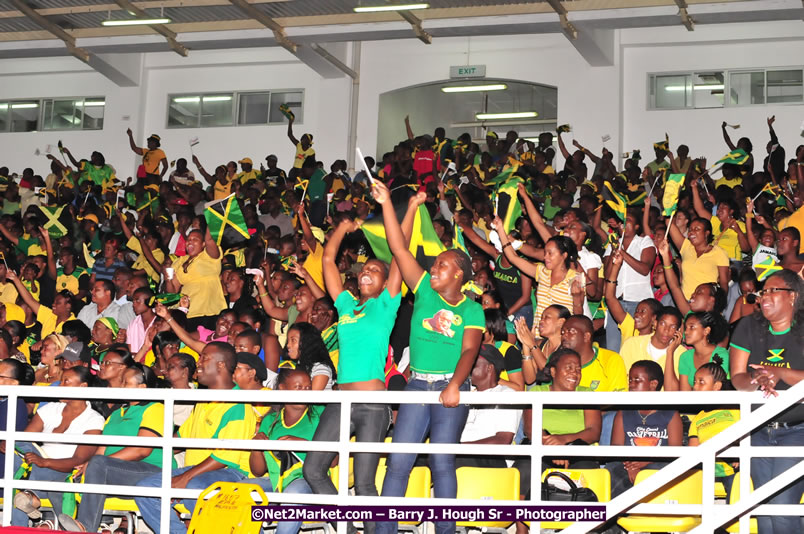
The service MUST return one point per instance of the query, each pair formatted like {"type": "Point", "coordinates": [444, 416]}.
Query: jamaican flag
{"type": "Point", "coordinates": [506, 202]}
{"type": "Point", "coordinates": [672, 188]}
{"type": "Point", "coordinates": [766, 268]}
{"type": "Point", "coordinates": [502, 177]}
{"type": "Point", "coordinates": [735, 157]}
{"type": "Point", "coordinates": [614, 200]}
{"type": "Point", "coordinates": [57, 221]}
{"type": "Point", "coordinates": [424, 242]}
{"type": "Point", "coordinates": [285, 110]}
{"type": "Point", "coordinates": [225, 221]}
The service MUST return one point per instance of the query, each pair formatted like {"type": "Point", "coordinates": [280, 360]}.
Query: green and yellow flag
{"type": "Point", "coordinates": [226, 222]}
{"type": "Point", "coordinates": [424, 242]}
{"type": "Point", "coordinates": [735, 157]}
{"type": "Point", "coordinates": [766, 268]}
{"type": "Point", "coordinates": [614, 200]}
{"type": "Point", "coordinates": [506, 203]}
{"type": "Point", "coordinates": [55, 225]}
{"type": "Point", "coordinates": [672, 188]}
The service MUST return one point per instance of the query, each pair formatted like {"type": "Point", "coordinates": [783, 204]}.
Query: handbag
{"type": "Point", "coordinates": [574, 494]}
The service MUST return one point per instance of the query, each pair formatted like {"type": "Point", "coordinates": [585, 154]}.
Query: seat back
{"type": "Point", "coordinates": [488, 483]}
{"type": "Point", "coordinates": [418, 483]}
{"type": "Point", "coordinates": [685, 490]}
{"type": "Point", "coordinates": [225, 508]}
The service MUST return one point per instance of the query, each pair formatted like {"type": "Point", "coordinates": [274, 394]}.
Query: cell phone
{"type": "Point", "coordinates": [254, 272]}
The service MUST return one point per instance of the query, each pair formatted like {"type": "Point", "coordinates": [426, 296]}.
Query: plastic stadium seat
{"type": "Point", "coordinates": [687, 489]}
{"type": "Point", "coordinates": [226, 507]}
{"type": "Point", "coordinates": [598, 480]}
{"type": "Point", "coordinates": [493, 483]}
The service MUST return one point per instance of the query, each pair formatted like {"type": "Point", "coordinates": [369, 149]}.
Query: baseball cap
{"type": "Point", "coordinates": [253, 361]}
{"type": "Point", "coordinates": [493, 356]}
{"type": "Point", "coordinates": [77, 351]}
{"type": "Point", "coordinates": [246, 160]}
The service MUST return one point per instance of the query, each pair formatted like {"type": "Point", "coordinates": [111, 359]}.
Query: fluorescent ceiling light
{"type": "Point", "coordinates": [390, 7]}
{"type": "Point", "coordinates": [512, 115]}
{"type": "Point", "coordinates": [135, 22]}
{"type": "Point", "coordinates": [197, 99]}
{"type": "Point", "coordinates": [705, 87]}
{"type": "Point", "coordinates": [89, 104]}
{"type": "Point", "coordinates": [24, 106]}
{"type": "Point", "coordinates": [474, 88]}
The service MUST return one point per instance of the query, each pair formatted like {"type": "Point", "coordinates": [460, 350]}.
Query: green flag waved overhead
{"type": "Point", "coordinates": [501, 178]}
{"type": "Point", "coordinates": [55, 225]}
{"type": "Point", "coordinates": [226, 222]}
{"type": "Point", "coordinates": [506, 203]}
{"type": "Point", "coordinates": [672, 188]}
{"type": "Point", "coordinates": [615, 201]}
{"type": "Point", "coordinates": [424, 242]}
{"type": "Point", "coordinates": [735, 157]}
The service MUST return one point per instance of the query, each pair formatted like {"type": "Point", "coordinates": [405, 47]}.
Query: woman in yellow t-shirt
{"type": "Point", "coordinates": [222, 183]}
{"type": "Point", "coordinates": [197, 275]}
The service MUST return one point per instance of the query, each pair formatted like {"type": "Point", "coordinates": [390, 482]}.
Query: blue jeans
{"type": "Point", "coordinates": [106, 470]}
{"type": "Point", "coordinates": [149, 506]}
{"type": "Point", "coordinates": [613, 337]}
{"type": "Point", "coordinates": [299, 486]}
{"type": "Point", "coordinates": [765, 469]}
{"type": "Point", "coordinates": [413, 423]}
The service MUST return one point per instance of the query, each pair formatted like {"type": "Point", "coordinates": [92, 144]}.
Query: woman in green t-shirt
{"type": "Point", "coordinates": [364, 328]}
{"type": "Point", "coordinates": [281, 471]}
{"type": "Point", "coordinates": [113, 464]}
{"type": "Point", "coordinates": [703, 331]}
{"type": "Point", "coordinates": [446, 330]}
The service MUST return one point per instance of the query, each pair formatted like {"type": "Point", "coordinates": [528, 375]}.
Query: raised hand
{"type": "Point", "coordinates": [664, 250]}
{"type": "Point", "coordinates": [350, 226]}
{"type": "Point", "coordinates": [380, 192]}
{"type": "Point", "coordinates": [771, 120]}
{"type": "Point", "coordinates": [161, 311]}
{"type": "Point", "coordinates": [129, 132]}
{"type": "Point", "coordinates": [417, 200]}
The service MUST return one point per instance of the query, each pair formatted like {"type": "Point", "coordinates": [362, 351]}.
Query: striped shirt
{"type": "Point", "coordinates": [547, 294]}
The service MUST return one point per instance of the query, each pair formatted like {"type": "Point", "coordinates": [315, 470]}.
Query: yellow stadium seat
{"type": "Point", "coordinates": [598, 480]}
{"type": "Point", "coordinates": [687, 489]}
{"type": "Point", "coordinates": [418, 483]}
{"type": "Point", "coordinates": [115, 506]}
{"type": "Point", "coordinates": [494, 483]}
{"type": "Point", "coordinates": [226, 507]}
{"type": "Point", "coordinates": [720, 491]}
{"type": "Point", "coordinates": [735, 497]}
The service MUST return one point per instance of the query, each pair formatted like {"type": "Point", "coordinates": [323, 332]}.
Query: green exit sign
{"type": "Point", "coordinates": [467, 71]}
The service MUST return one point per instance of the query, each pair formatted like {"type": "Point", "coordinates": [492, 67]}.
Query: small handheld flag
{"type": "Point", "coordinates": [766, 268]}
{"type": "Point", "coordinates": [226, 221]}
{"type": "Point", "coordinates": [285, 110]}
{"type": "Point", "coordinates": [672, 188]}
{"type": "Point", "coordinates": [193, 142]}
{"type": "Point", "coordinates": [735, 157]}
{"type": "Point", "coordinates": [564, 128]}
{"type": "Point", "coordinates": [614, 200]}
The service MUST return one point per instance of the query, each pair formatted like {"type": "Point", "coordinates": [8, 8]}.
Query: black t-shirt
{"type": "Point", "coordinates": [47, 290]}
{"type": "Point", "coordinates": [772, 349]}
{"type": "Point", "coordinates": [508, 282]}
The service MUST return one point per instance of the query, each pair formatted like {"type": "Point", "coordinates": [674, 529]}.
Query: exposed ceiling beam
{"type": "Point", "coordinates": [416, 23]}
{"type": "Point", "coordinates": [268, 22]}
{"type": "Point", "coordinates": [158, 28]}
{"type": "Point", "coordinates": [570, 30]}
{"type": "Point", "coordinates": [686, 20]}
{"type": "Point", "coordinates": [42, 22]}
{"type": "Point", "coordinates": [343, 67]}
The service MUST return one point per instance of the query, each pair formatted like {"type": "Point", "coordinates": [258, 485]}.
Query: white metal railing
{"type": "Point", "coordinates": [687, 458]}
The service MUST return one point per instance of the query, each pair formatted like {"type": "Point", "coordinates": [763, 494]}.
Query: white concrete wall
{"type": "Point", "coordinates": [596, 101]}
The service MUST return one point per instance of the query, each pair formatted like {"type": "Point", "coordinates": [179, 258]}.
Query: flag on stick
{"type": "Point", "coordinates": [766, 268]}
{"type": "Point", "coordinates": [672, 188]}
{"type": "Point", "coordinates": [226, 222]}
{"type": "Point", "coordinates": [614, 200]}
{"type": "Point", "coordinates": [735, 157]}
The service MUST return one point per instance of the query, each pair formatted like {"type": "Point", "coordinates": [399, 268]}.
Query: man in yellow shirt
{"type": "Point", "coordinates": [248, 173]}
{"type": "Point", "coordinates": [152, 157]}
{"type": "Point", "coordinates": [601, 369]}
{"type": "Point", "coordinates": [208, 420]}
{"type": "Point", "coordinates": [654, 346]}
{"type": "Point", "coordinates": [304, 149]}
